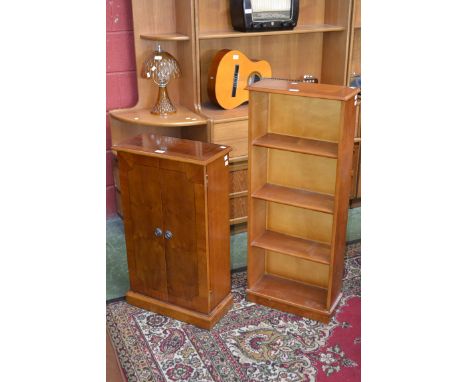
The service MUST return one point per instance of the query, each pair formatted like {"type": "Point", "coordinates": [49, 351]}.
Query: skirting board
{"type": "Point", "coordinates": [204, 321]}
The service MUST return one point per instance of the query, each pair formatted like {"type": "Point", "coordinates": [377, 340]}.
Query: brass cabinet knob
{"type": "Point", "coordinates": [168, 235]}
{"type": "Point", "coordinates": [158, 232]}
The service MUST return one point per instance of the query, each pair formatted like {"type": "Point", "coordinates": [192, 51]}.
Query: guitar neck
{"type": "Point", "coordinates": [309, 79]}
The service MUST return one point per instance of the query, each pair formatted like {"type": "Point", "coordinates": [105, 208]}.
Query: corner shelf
{"type": "Point", "coordinates": [165, 37]}
{"type": "Point", "coordinates": [298, 145]}
{"type": "Point", "coordinates": [303, 296]}
{"type": "Point", "coordinates": [312, 28]}
{"type": "Point", "coordinates": [296, 197]}
{"type": "Point", "coordinates": [183, 117]}
{"type": "Point", "coordinates": [294, 246]}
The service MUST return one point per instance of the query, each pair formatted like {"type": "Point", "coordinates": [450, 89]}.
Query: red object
{"type": "Point", "coordinates": [340, 358]}
{"type": "Point", "coordinates": [119, 15]}
{"type": "Point", "coordinates": [120, 52]}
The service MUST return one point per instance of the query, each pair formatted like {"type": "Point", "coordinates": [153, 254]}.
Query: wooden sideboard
{"type": "Point", "coordinates": [178, 253]}
{"type": "Point", "coordinates": [194, 31]}
{"type": "Point", "coordinates": [301, 150]}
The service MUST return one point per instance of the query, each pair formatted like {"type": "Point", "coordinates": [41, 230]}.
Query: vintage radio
{"type": "Point", "coordinates": [264, 15]}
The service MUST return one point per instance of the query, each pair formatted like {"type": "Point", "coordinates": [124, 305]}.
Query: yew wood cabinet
{"type": "Point", "coordinates": [176, 215]}
{"type": "Point", "coordinates": [300, 156]}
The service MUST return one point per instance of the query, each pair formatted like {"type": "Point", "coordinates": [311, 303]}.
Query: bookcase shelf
{"type": "Point", "coordinates": [294, 246]}
{"type": "Point", "coordinates": [295, 197]}
{"type": "Point", "coordinates": [314, 28]}
{"type": "Point", "coordinates": [293, 293]}
{"type": "Point", "coordinates": [300, 150]}
{"type": "Point", "coordinates": [183, 117]}
{"type": "Point", "coordinates": [165, 37]}
{"type": "Point", "coordinates": [298, 145]}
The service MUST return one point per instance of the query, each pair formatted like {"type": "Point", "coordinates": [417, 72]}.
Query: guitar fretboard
{"type": "Point", "coordinates": [235, 81]}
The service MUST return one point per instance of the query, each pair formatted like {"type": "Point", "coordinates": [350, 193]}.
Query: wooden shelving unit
{"type": "Point", "coordinates": [300, 148]}
{"type": "Point", "coordinates": [318, 46]}
{"type": "Point", "coordinates": [193, 31]}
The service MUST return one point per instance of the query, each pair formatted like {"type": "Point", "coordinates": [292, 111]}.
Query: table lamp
{"type": "Point", "coordinates": [161, 67]}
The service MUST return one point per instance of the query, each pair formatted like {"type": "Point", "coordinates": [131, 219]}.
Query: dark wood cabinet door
{"type": "Point", "coordinates": [183, 208]}
{"type": "Point", "coordinates": [141, 204]}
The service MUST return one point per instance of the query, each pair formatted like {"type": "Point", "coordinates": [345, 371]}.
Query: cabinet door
{"type": "Point", "coordinates": [183, 208]}
{"type": "Point", "coordinates": [141, 202]}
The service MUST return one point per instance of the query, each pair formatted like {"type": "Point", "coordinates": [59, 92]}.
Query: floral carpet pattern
{"type": "Point", "coordinates": [251, 343]}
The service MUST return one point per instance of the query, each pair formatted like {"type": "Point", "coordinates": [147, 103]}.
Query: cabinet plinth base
{"type": "Point", "coordinates": [285, 306]}
{"type": "Point", "coordinates": [204, 321]}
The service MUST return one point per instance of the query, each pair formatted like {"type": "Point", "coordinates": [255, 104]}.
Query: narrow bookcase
{"type": "Point", "coordinates": [300, 159]}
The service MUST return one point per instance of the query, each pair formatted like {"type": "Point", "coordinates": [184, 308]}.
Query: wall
{"type": "Point", "coordinates": [121, 87]}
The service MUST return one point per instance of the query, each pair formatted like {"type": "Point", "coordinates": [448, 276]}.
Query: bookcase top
{"type": "Point", "coordinates": [304, 89]}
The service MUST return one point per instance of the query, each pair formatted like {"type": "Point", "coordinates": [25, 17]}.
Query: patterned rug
{"type": "Point", "coordinates": [251, 343]}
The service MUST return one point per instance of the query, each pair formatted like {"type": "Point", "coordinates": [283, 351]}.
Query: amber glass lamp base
{"type": "Point", "coordinates": [163, 105]}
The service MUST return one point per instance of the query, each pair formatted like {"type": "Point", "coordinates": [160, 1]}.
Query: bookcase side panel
{"type": "Point", "coordinates": [343, 184]}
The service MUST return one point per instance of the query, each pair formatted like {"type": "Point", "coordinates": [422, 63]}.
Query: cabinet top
{"type": "Point", "coordinates": [182, 150]}
{"type": "Point", "coordinates": [305, 89]}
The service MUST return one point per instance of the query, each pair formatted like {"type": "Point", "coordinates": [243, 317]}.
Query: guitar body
{"type": "Point", "coordinates": [230, 73]}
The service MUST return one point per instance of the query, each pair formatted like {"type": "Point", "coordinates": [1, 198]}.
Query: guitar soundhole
{"type": "Point", "coordinates": [254, 77]}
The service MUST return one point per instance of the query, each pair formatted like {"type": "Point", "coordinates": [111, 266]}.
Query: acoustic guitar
{"type": "Point", "coordinates": [230, 73]}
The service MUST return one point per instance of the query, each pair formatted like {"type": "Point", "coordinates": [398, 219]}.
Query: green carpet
{"type": "Point", "coordinates": [116, 258]}
{"type": "Point", "coordinates": [117, 283]}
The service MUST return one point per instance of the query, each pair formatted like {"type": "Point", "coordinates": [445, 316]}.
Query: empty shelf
{"type": "Point", "coordinates": [291, 292]}
{"type": "Point", "coordinates": [294, 246]}
{"type": "Point", "coordinates": [296, 197]}
{"type": "Point", "coordinates": [298, 145]}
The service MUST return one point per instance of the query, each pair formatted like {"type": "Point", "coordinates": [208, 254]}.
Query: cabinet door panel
{"type": "Point", "coordinates": [183, 207]}
{"type": "Point", "coordinates": [143, 214]}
